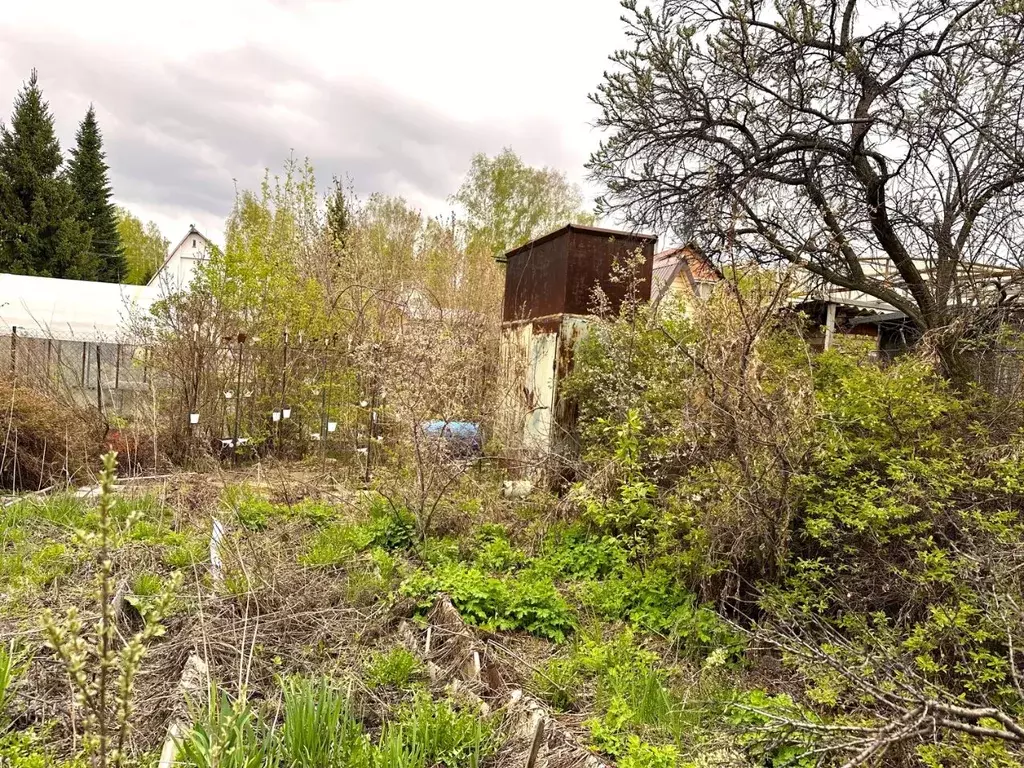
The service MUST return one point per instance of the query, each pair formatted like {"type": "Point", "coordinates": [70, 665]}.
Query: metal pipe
{"type": "Point", "coordinates": [238, 400]}
{"type": "Point", "coordinates": [284, 383]}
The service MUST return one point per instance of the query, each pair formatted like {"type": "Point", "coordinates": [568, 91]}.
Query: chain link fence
{"type": "Point", "coordinates": [107, 375]}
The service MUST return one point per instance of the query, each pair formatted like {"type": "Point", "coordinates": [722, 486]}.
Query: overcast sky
{"type": "Point", "coordinates": [197, 94]}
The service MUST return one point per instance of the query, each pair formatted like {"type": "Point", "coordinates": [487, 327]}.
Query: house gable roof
{"type": "Point", "coordinates": [687, 260]}
{"type": "Point", "coordinates": [192, 232]}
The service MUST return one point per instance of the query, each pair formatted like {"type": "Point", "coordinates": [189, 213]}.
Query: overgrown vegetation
{"type": "Point", "coordinates": [860, 520]}
{"type": "Point", "coordinates": [761, 557]}
{"type": "Point", "coordinates": [48, 440]}
{"type": "Point", "coordinates": [768, 558]}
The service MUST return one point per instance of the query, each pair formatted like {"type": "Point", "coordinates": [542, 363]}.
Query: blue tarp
{"type": "Point", "coordinates": [460, 438]}
{"type": "Point", "coordinates": [460, 430]}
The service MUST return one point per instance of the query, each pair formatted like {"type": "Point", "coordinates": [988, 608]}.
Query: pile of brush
{"type": "Point", "coordinates": [47, 440]}
{"type": "Point", "coordinates": [466, 665]}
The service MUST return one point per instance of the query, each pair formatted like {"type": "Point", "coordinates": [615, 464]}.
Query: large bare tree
{"type": "Point", "coordinates": [877, 145]}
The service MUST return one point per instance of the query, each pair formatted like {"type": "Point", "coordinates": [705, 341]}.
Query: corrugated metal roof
{"type": "Point", "coordinates": [686, 260]}
{"type": "Point", "coordinates": [700, 267]}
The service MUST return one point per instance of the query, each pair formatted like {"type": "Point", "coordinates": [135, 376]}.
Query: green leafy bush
{"type": "Point", "coordinates": [397, 667]}
{"type": "Point", "coordinates": [629, 512]}
{"type": "Point", "coordinates": [577, 553]}
{"type": "Point", "coordinates": [642, 755]}
{"type": "Point", "coordinates": [316, 512]}
{"type": "Point", "coordinates": [752, 711]}
{"type": "Point", "coordinates": [656, 601]}
{"type": "Point", "coordinates": [336, 544]}
{"type": "Point", "coordinates": [441, 550]}
{"type": "Point", "coordinates": [391, 527]}
{"type": "Point", "coordinates": [908, 504]}
{"type": "Point", "coordinates": [527, 601]}
{"type": "Point", "coordinates": [499, 556]}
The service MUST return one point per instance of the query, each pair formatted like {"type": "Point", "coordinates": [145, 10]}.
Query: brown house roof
{"type": "Point", "coordinates": [686, 260]}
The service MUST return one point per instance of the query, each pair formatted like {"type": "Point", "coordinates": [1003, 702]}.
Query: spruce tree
{"type": "Point", "coordinates": [339, 214]}
{"type": "Point", "coordinates": [88, 172]}
{"type": "Point", "coordinates": [39, 230]}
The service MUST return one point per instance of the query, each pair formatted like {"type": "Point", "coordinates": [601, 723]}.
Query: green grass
{"type": "Point", "coordinates": [336, 545]}
{"type": "Point", "coordinates": [62, 510]}
{"type": "Point", "coordinates": [147, 584]}
{"type": "Point", "coordinates": [319, 729]}
{"type": "Point", "coordinates": [41, 567]}
{"type": "Point", "coordinates": [628, 696]}
{"type": "Point", "coordinates": [397, 667]}
{"type": "Point", "coordinates": [319, 726]}
{"type": "Point", "coordinates": [228, 734]}
{"type": "Point", "coordinates": [438, 733]}
{"type": "Point", "coordinates": [146, 588]}
{"type": "Point", "coordinates": [187, 554]}
{"type": "Point", "coordinates": [628, 692]}
{"type": "Point", "coordinates": [250, 508]}
{"type": "Point", "coordinates": [12, 664]}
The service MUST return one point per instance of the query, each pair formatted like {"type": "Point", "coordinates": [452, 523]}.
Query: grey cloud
{"type": "Point", "coordinates": [179, 134]}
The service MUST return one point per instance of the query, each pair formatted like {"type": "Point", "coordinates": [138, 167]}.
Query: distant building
{"type": "Point", "coordinates": [685, 272]}
{"type": "Point", "coordinates": [81, 310]}
{"type": "Point", "coordinates": [181, 263]}
{"type": "Point", "coordinates": [77, 335]}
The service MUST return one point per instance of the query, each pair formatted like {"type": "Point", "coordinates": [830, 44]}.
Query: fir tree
{"type": "Point", "coordinates": [339, 214]}
{"type": "Point", "coordinates": [88, 172]}
{"type": "Point", "coordinates": [39, 231]}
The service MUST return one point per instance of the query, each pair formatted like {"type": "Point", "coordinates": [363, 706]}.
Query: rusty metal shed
{"type": "Point", "coordinates": [556, 274]}
{"type": "Point", "coordinates": [549, 285]}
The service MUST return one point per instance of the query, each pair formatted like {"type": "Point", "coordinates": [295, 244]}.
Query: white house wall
{"type": "Point", "coordinates": [180, 267]}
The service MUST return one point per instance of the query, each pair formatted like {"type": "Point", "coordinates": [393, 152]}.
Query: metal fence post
{"type": "Point", "coordinates": [99, 384]}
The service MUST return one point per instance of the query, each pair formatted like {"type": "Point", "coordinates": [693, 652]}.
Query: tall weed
{"type": "Point", "coordinates": [319, 729]}
{"type": "Point", "coordinates": [228, 734]}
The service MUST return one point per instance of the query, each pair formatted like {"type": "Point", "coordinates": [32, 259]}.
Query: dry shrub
{"type": "Point", "coordinates": [46, 440]}
{"type": "Point", "coordinates": [137, 451]}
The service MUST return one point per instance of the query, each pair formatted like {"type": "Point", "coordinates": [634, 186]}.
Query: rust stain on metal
{"type": "Point", "coordinates": [556, 274]}
{"type": "Point", "coordinates": [549, 324]}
